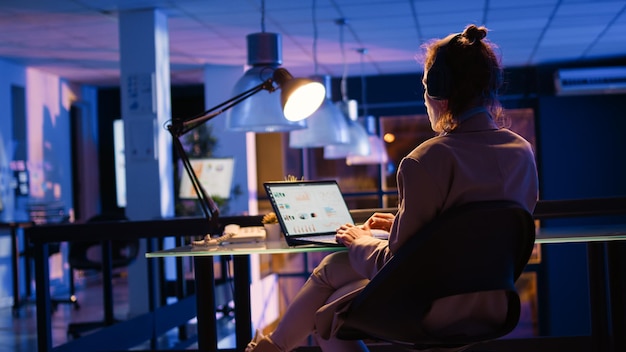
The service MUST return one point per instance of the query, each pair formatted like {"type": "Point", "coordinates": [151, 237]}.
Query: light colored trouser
{"type": "Point", "coordinates": [333, 273]}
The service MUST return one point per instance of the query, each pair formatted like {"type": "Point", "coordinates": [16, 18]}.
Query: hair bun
{"type": "Point", "coordinates": [473, 33]}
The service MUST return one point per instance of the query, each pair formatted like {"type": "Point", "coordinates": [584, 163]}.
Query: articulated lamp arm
{"type": "Point", "coordinates": [308, 100]}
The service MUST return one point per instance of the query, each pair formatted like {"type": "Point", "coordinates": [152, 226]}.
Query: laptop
{"type": "Point", "coordinates": [309, 212]}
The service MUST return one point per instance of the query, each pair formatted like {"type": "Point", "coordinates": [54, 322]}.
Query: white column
{"type": "Point", "coordinates": [218, 87]}
{"type": "Point", "coordinates": [145, 90]}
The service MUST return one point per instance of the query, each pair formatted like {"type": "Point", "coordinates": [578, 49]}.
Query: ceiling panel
{"type": "Point", "coordinates": [79, 40]}
{"type": "Point", "coordinates": [515, 4]}
{"type": "Point", "coordinates": [587, 8]}
{"type": "Point", "coordinates": [518, 17]}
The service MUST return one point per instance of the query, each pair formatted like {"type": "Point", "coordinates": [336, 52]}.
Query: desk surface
{"type": "Point", "coordinates": [600, 233]}
{"type": "Point", "coordinates": [15, 223]}
{"type": "Point", "coordinates": [573, 234]}
{"type": "Point", "coordinates": [262, 247]}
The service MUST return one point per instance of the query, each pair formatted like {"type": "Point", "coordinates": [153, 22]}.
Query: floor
{"type": "Point", "coordinates": [18, 327]}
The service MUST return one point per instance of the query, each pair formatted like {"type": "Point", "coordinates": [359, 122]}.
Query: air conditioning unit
{"type": "Point", "coordinates": [595, 80]}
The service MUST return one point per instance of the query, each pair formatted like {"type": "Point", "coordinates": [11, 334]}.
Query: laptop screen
{"type": "Point", "coordinates": [308, 207]}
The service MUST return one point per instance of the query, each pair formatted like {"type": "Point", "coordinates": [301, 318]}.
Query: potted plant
{"type": "Point", "coordinates": [272, 227]}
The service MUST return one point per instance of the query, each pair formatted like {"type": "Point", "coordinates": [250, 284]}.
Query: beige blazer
{"type": "Point", "coordinates": [478, 161]}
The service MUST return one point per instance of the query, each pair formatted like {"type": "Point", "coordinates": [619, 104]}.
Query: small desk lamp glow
{"type": "Point", "coordinates": [300, 97]}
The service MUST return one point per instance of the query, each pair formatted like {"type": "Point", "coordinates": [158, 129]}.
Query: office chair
{"type": "Point", "coordinates": [123, 253]}
{"type": "Point", "coordinates": [474, 248]}
{"type": "Point", "coordinates": [41, 213]}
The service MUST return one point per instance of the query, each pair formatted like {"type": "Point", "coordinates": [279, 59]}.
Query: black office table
{"type": "Point", "coordinates": [205, 289]}
{"type": "Point", "coordinates": [594, 236]}
{"type": "Point", "coordinates": [42, 235]}
{"type": "Point", "coordinates": [13, 226]}
{"type": "Point", "coordinates": [606, 291]}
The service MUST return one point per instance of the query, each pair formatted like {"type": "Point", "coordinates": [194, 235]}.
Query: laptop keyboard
{"type": "Point", "coordinates": [325, 239]}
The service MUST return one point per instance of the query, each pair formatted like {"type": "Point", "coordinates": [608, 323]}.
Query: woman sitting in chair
{"type": "Point", "coordinates": [472, 159]}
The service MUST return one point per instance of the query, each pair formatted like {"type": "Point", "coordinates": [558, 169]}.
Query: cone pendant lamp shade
{"type": "Point", "coordinates": [299, 97]}
{"type": "Point", "coordinates": [377, 155]}
{"type": "Point", "coordinates": [378, 152]}
{"type": "Point", "coordinates": [358, 143]}
{"type": "Point", "coordinates": [261, 112]}
{"type": "Point", "coordinates": [327, 126]}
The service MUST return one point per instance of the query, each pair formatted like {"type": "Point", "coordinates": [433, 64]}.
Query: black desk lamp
{"type": "Point", "coordinates": [300, 97]}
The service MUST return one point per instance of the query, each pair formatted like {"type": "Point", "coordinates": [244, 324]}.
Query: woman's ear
{"type": "Point", "coordinates": [440, 105]}
{"type": "Point", "coordinates": [436, 109]}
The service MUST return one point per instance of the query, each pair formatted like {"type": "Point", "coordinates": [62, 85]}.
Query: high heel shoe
{"type": "Point", "coordinates": [261, 343]}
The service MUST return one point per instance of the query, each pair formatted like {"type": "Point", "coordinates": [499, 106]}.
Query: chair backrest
{"type": "Point", "coordinates": [476, 247]}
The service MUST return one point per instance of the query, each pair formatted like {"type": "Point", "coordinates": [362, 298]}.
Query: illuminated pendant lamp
{"type": "Point", "coordinates": [358, 144]}
{"type": "Point", "coordinates": [378, 152]}
{"type": "Point", "coordinates": [358, 136]}
{"type": "Point", "coordinates": [261, 112]}
{"type": "Point", "coordinates": [327, 126]}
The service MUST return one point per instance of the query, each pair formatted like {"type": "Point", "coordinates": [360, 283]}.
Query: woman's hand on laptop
{"type": "Point", "coordinates": [347, 233]}
{"type": "Point", "coordinates": [380, 221]}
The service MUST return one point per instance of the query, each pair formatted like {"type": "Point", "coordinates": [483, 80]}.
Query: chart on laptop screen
{"type": "Point", "coordinates": [308, 208]}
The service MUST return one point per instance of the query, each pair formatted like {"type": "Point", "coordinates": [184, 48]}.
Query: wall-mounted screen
{"type": "Point", "coordinates": [214, 174]}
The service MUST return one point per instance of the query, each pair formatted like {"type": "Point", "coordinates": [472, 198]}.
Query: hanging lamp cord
{"type": "Point", "coordinates": [315, 34]}
{"type": "Point", "coordinates": [363, 51]}
{"type": "Point", "coordinates": [263, 16]}
{"type": "Point", "coordinates": [344, 77]}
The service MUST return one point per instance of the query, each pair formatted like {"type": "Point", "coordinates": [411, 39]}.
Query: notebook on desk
{"type": "Point", "coordinates": [309, 212]}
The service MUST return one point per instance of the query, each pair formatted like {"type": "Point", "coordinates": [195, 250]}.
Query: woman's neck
{"type": "Point", "coordinates": [471, 112]}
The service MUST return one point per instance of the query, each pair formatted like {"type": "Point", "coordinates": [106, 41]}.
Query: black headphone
{"type": "Point", "coordinates": [439, 79]}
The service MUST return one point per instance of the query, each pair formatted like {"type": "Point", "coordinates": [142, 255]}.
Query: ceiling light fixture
{"type": "Point", "coordinates": [262, 112]}
{"type": "Point", "coordinates": [327, 126]}
{"type": "Point", "coordinates": [378, 152]}
{"type": "Point", "coordinates": [309, 96]}
{"type": "Point", "coordinates": [358, 143]}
